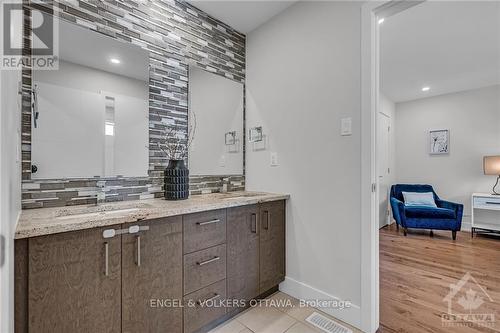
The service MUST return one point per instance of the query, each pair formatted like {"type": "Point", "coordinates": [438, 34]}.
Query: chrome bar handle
{"type": "Point", "coordinates": [209, 299]}
{"type": "Point", "coordinates": [201, 263]}
{"type": "Point", "coordinates": [106, 259]}
{"type": "Point", "coordinates": [268, 220]}
{"type": "Point", "coordinates": [267, 226]}
{"type": "Point", "coordinates": [208, 222]}
{"type": "Point", "coordinates": [254, 223]}
{"type": "Point", "coordinates": [138, 262]}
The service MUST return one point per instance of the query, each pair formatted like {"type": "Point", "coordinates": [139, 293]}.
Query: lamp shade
{"type": "Point", "coordinates": [491, 165]}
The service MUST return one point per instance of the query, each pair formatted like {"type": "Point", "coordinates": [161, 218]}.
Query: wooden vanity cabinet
{"type": "Point", "coordinates": [205, 254]}
{"type": "Point", "coordinates": [80, 281]}
{"type": "Point", "coordinates": [71, 290]}
{"type": "Point", "coordinates": [242, 253]}
{"type": "Point", "coordinates": [256, 249]}
{"type": "Point", "coordinates": [152, 274]}
{"type": "Point", "coordinates": [272, 244]}
{"type": "Point", "coordinates": [69, 287]}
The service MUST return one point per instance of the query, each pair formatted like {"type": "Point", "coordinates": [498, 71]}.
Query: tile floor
{"type": "Point", "coordinates": [272, 319]}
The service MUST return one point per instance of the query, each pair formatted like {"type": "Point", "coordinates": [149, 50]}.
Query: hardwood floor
{"type": "Point", "coordinates": [416, 273]}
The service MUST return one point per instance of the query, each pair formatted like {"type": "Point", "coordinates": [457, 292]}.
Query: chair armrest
{"type": "Point", "coordinates": [458, 208]}
{"type": "Point", "coordinates": [398, 211]}
{"type": "Point", "coordinates": [449, 205]}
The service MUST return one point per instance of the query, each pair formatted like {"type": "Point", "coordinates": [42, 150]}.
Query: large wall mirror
{"type": "Point", "coordinates": [216, 112]}
{"type": "Point", "coordinates": [91, 115]}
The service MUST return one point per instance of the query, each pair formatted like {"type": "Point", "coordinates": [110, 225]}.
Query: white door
{"type": "Point", "coordinates": [383, 168]}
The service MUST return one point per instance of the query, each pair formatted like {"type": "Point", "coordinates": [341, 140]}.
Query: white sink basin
{"type": "Point", "coordinates": [107, 214]}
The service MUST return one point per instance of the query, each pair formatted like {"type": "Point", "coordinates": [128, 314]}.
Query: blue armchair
{"type": "Point", "coordinates": [447, 215]}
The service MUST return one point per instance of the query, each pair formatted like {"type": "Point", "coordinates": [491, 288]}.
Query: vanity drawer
{"type": "Point", "coordinates": [203, 230]}
{"type": "Point", "coordinates": [204, 267]}
{"type": "Point", "coordinates": [202, 307]}
{"type": "Point", "coordinates": [487, 202]}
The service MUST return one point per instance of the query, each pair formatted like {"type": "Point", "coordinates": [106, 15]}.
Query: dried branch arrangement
{"type": "Point", "coordinates": [175, 142]}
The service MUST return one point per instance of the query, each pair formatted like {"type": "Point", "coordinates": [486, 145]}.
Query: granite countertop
{"type": "Point", "coordinates": [46, 221]}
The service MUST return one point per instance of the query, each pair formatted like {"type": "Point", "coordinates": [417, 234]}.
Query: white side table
{"type": "Point", "coordinates": [485, 212]}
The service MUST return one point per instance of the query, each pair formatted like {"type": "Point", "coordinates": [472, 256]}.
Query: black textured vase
{"type": "Point", "coordinates": [176, 180]}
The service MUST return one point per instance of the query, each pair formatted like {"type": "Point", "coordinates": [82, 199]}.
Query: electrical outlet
{"type": "Point", "coordinates": [274, 159]}
{"type": "Point", "coordinates": [222, 161]}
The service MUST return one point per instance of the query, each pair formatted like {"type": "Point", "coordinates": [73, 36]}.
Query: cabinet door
{"type": "Point", "coordinates": [152, 277]}
{"type": "Point", "coordinates": [242, 252]}
{"type": "Point", "coordinates": [21, 286]}
{"type": "Point", "coordinates": [74, 283]}
{"type": "Point", "coordinates": [272, 244]}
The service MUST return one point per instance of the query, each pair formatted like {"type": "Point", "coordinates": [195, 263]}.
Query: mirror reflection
{"type": "Point", "coordinates": [92, 113]}
{"type": "Point", "coordinates": [216, 105]}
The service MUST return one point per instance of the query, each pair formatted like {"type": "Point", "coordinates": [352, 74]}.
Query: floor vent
{"type": "Point", "coordinates": [326, 324]}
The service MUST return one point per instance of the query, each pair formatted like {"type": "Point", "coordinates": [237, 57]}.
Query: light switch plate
{"type": "Point", "coordinates": [274, 159]}
{"type": "Point", "coordinates": [346, 126]}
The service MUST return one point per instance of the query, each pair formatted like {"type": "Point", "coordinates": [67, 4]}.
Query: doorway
{"type": "Point", "coordinates": [422, 85]}
{"type": "Point", "coordinates": [372, 13]}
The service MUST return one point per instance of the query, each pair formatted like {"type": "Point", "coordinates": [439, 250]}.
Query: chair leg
{"type": "Point", "coordinates": [454, 235]}
{"type": "Point", "coordinates": [432, 233]}
{"type": "Point", "coordinates": [405, 231]}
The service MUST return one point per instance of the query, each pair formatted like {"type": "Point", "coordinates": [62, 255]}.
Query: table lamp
{"type": "Point", "coordinates": [491, 165]}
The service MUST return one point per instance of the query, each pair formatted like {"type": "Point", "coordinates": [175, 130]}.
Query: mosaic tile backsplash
{"type": "Point", "coordinates": [176, 34]}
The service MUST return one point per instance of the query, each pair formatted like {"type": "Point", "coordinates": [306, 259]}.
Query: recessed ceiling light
{"type": "Point", "coordinates": [424, 89]}
{"type": "Point", "coordinates": [381, 20]}
{"type": "Point", "coordinates": [115, 61]}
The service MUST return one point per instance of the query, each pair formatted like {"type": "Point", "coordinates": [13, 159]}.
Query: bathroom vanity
{"type": "Point", "coordinates": [97, 247]}
{"type": "Point", "coordinates": [147, 266]}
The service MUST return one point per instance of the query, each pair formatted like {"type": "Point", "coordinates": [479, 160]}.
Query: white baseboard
{"type": "Point", "coordinates": [302, 291]}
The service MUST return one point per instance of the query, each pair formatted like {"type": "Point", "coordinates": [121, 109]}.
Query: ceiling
{"type": "Point", "coordinates": [244, 16]}
{"type": "Point", "coordinates": [448, 46]}
{"type": "Point", "coordinates": [88, 48]}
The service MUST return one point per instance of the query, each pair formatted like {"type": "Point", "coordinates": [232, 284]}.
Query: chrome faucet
{"type": "Point", "coordinates": [100, 194]}
{"type": "Point", "coordinates": [225, 184]}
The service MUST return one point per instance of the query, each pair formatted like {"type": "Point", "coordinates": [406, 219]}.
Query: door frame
{"type": "Point", "coordinates": [382, 114]}
{"type": "Point", "coordinates": [370, 74]}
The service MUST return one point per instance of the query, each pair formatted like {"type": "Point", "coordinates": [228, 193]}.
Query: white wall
{"type": "Point", "coordinates": [69, 140]}
{"type": "Point", "coordinates": [10, 187]}
{"type": "Point", "coordinates": [473, 118]}
{"type": "Point", "coordinates": [303, 76]}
